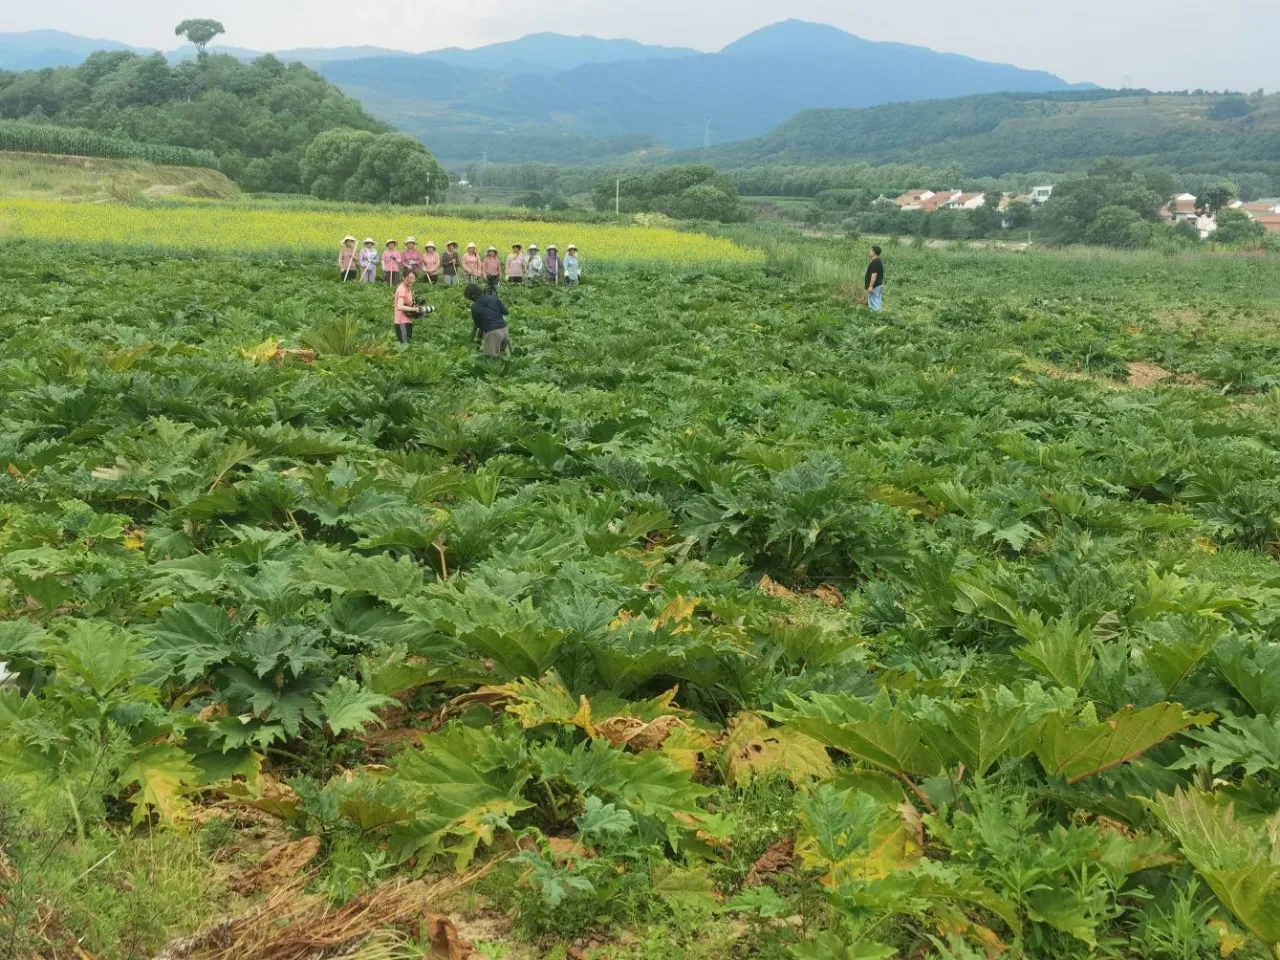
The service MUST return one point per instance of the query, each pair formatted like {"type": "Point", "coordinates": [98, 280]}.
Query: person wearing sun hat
{"type": "Point", "coordinates": [572, 270]}
{"type": "Point", "coordinates": [533, 265]}
{"type": "Point", "coordinates": [348, 258]}
{"type": "Point", "coordinates": [369, 261]}
{"type": "Point", "coordinates": [449, 264]}
{"type": "Point", "coordinates": [471, 267]}
{"type": "Point", "coordinates": [551, 265]}
{"type": "Point", "coordinates": [492, 268]}
{"type": "Point", "coordinates": [391, 264]}
{"type": "Point", "coordinates": [515, 265]}
{"type": "Point", "coordinates": [411, 256]}
{"type": "Point", "coordinates": [431, 262]}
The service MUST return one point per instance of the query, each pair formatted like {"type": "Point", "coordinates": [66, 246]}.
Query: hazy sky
{"type": "Point", "coordinates": [1162, 44]}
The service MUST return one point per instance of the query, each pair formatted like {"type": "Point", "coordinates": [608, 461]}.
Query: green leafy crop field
{"type": "Point", "coordinates": [722, 619]}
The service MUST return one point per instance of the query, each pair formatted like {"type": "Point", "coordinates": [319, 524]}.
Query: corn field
{"type": "Point", "coordinates": [21, 136]}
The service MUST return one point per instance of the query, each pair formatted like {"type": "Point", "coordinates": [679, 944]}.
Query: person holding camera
{"type": "Point", "coordinates": [407, 309]}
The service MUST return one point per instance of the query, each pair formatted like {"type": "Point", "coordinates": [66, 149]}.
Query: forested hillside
{"type": "Point", "coordinates": [996, 134]}
{"type": "Point", "coordinates": [257, 119]}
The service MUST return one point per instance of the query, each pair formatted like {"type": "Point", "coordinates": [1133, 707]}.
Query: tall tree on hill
{"type": "Point", "coordinates": [199, 32]}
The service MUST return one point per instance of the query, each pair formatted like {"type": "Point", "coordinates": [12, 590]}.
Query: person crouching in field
{"type": "Point", "coordinates": [572, 269]}
{"type": "Point", "coordinates": [551, 266]}
{"type": "Point", "coordinates": [406, 311]}
{"type": "Point", "coordinates": [431, 264]}
{"type": "Point", "coordinates": [369, 261]}
{"type": "Point", "coordinates": [471, 268]}
{"type": "Point", "coordinates": [411, 258]}
{"type": "Point", "coordinates": [875, 282]}
{"type": "Point", "coordinates": [449, 264]}
{"type": "Point", "coordinates": [492, 268]}
{"type": "Point", "coordinates": [488, 320]}
{"type": "Point", "coordinates": [348, 259]}
{"type": "Point", "coordinates": [391, 264]}
{"type": "Point", "coordinates": [515, 265]}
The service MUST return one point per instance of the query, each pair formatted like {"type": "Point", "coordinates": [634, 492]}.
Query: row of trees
{"type": "Point", "coordinates": [258, 119]}
{"type": "Point", "coordinates": [686, 193]}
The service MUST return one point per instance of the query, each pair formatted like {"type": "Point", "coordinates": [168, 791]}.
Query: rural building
{"type": "Point", "coordinates": [1206, 225]}
{"type": "Point", "coordinates": [1185, 207]}
{"type": "Point", "coordinates": [968, 201]}
{"type": "Point", "coordinates": [1269, 220]}
{"type": "Point", "coordinates": [1040, 195]}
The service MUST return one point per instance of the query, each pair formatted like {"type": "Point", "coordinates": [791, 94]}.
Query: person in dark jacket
{"type": "Point", "coordinates": [488, 320]}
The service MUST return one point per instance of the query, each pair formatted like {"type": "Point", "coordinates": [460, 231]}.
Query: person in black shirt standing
{"type": "Point", "coordinates": [488, 320]}
{"type": "Point", "coordinates": [874, 281]}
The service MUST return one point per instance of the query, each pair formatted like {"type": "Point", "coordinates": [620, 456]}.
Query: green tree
{"type": "Point", "coordinates": [199, 32]}
{"type": "Point", "coordinates": [1216, 198]}
{"type": "Point", "coordinates": [703, 202]}
{"type": "Point", "coordinates": [395, 168]}
{"type": "Point", "coordinates": [1237, 227]}
{"type": "Point", "coordinates": [1118, 226]}
{"type": "Point", "coordinates": [332, 159]}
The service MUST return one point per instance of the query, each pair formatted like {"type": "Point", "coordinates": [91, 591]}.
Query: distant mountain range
{"type": "Point", "coordinates": [463, 110]}
{"type": "Point", "coordinates": [536, 53]}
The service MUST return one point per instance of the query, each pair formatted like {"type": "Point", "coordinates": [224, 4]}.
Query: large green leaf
{"type": "Point", "coordinates": [1060, 650]}
{"type": "Point", "coordinates": [1178, 644]}
{"type": "Point", "coordinates": [1241, 864]}
{"type": "Point", "coordinates": [978, 731]}
{"type": "Point", "coordinates": [1077, 747]}
{"type": "Point", "coordinates": [381, 576]}
{"type": "Point", "coordinates": [881, 734]}
{"type": "Point", "coordinates": [348, 707]}
{"type": "Point", "coordinates": [468, 782]}
{"type": "Point", "coordinates": [188, 639]}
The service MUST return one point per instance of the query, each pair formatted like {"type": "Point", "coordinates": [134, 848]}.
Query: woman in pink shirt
{"type": "Point", "coordinates": [515, 265]}
{"type": "Point", "coordinates": [405, 310]}
{"type": "Point", "coordinates": [348, 259]}
{"type": "Point", "coordinates": [471, 264]}
{"type": "Point", "coordinates": [411, 259]}
{"type": "Point", "coordinates": [492, 268]}
{"type": "Point", "coordinates": [431, 263]}
{"type": "Point", "coordinates": [391, 264]}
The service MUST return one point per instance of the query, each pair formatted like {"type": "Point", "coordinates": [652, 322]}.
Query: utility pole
{"type": "Point", "coordinates": [617, 197]}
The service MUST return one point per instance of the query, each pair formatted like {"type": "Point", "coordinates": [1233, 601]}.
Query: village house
{"type": "Point", "coordinates": [1185, 206]}
{"type": "Point", "coordinates": [1040, 195]}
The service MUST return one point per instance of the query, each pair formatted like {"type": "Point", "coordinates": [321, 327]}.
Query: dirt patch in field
{"type": "Point", "coordinates": [1143, 375]}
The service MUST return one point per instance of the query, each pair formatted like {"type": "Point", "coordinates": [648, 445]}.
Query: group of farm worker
{"type": "Point", "coordinates": [453, 269]}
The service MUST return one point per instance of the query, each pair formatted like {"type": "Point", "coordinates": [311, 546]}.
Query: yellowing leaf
{"type": "Point", "coordinates": [1073, 750]}
{"type": "Point", "coordinates": [163, 774]}
{"type": "Point", "coordinates": [1229, 940]}
{"type": "Point", "coordinates": [752, 749]}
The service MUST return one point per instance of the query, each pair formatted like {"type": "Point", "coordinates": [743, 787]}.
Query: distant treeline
{"type": "Point", "coordinates": [253, 121]}
{"type": "Point", "coordinates": [19, 135]}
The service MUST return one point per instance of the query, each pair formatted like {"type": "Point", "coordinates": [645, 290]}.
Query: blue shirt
{"type": "Point", "coordinates": [571, 267]}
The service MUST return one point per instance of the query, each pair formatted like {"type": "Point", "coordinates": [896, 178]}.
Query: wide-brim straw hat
{"type": "Point", "coordinates": [431, 245]}
{"type": "Point", "coordinates": [409, 240]}
{"type": "Point", "coordinates": [370, 240]}
{"type": "Point", "coordinates": [552, 246]}
{"type": "Point", "coordinates": [348, 239]}
{"type": "Point", "coordinates": [472, 246]}
{"type": "Point", "coordinates": [390, 242]}
{"type": "Point", "coordinates": [533, 246]}
{"type": "Point", "coordinates": [490, 250]}
{"type": "Point", "coordinates": [572, 246]}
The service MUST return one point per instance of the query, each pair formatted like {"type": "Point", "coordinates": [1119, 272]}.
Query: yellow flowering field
{"type": "Point", "coordinates": [263, 227]}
